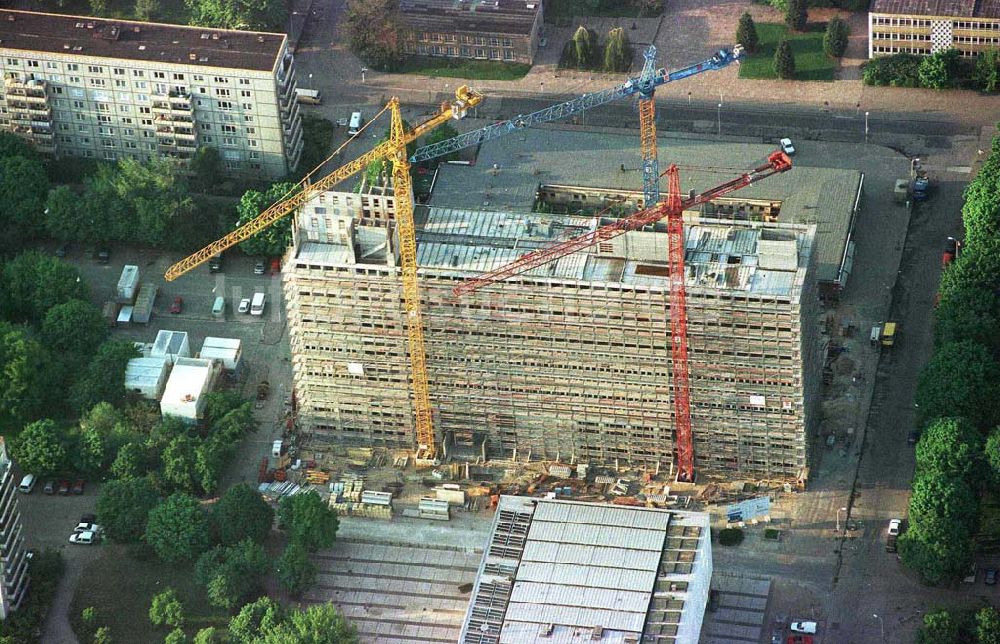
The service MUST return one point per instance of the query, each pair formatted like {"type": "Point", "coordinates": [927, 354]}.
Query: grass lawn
{"type": "Point", "coordinates": [562, 11]}
{"type": "Point", "coordinates": [460, 68]}
{"type": "Point", "coordinates": [121, 587]}
{"type": "Point", "coordinates": [810, 61]}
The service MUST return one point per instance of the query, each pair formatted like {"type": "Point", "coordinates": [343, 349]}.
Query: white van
{"type": "Point", "coordinates": [276, 449]}
{"type": "Point", "coordinates": [27, 484]}
{"type": "Point", "coordinates": [308, 96]}
{"type": "Point", "coordinates": [355, 123]}
{"type": "Point", "coordinates": [257, 304]}
{"type": "Point", "coordinates": [219, 307]}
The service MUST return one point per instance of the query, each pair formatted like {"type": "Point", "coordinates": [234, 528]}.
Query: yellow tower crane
{"type": "Point", "coordinates": [394, 150]}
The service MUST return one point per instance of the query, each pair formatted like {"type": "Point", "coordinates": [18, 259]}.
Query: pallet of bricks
{"type": "Point", "coordinates": [349, 498]}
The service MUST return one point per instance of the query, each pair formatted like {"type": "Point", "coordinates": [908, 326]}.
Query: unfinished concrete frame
{"type": "Point", "coordinates": [543, 366]}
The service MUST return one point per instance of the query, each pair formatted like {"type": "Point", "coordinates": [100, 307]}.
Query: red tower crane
{"type": "Point", "coordinates": [671, 208]}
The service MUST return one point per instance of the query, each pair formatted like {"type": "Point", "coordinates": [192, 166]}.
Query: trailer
{"type": "Point", "coordinates": [143, 309]}
{"type": "Point", "coordinates": [128, 283]}
{"type": "Point", "coordinates": [110, 313]}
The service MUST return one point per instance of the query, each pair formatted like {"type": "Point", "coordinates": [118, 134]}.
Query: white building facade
{"type": "Point", "coordinates": [114, 89]}
{"type": "Point", "coordinates": [14, 578]}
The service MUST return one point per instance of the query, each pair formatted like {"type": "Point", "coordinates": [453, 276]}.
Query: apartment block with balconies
{"type": "Point", "coordinates": [113, 89]}
{"type": "Point", "coordinates": [13, 555]}
{"type": "Point", "coordinates": [928, 26]}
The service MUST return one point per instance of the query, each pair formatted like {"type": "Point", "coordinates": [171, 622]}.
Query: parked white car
{"type": "Point", "coordinates": [244, 305]}
{"type": "Point", "coordinates": [804, 627]}
{"type": "Point", "coordinates": [787, 147]}
{"type": "Point", "coordinates": [87, 527]}
{"type": "Point", "coordinates": [894, 525]}
{"type": "Point", "coordinates": [85, 538]}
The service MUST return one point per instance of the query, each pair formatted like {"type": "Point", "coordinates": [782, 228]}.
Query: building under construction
{"type": "Point", "coordinates": [570, 361]}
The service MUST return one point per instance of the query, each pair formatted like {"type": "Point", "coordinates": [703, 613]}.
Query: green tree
{"type": "Point", "coordinates": [206, 169]}
{"type": "Point", "coordinates": [277, 237]}
{"type": "Point", "coordinates": [209, 635]}
{"type": "Point", "coordinates": [39, 448]}
{"type": "Point", "coordinates": [24, 385]}
{"type": "Point", "coordinates": [318, 624]}
{"type": "Point", "coordinates": [939, 627]}
{"type": "Point", "coordinates": [938, 555]}
{"type": "Point", "coordinates": [254, 619]}
{"type": "Point", "coordinates": [784, 61]}
{"type": "Point", "coordinates": [73, 330]}
{"type": "Point", "coordinates": [241, 513]}
{"type": "Point", "coordinates": [836, 37]}
{"type": "Point", "coordinates": [175, 636]}
{"type": "Point", "coordinates": [238, 14]}
{"type": "Point", "coordinates": [155, 194]}
{"type": "Point", "coordinates": [943, 500]}
{"type": "Point", "coordinates": [309, 521]}
{"type": "Point", "coordinates": [968, 314]}
{"type": "Point", "coordinates": [231, 574]}
{"type": "Point", "coordinates": [991, 453]}
{"type": "Point", "coordinates": [617, 51]}
{"type": "Point", "coordinates": [12, 145]}
{"type": "Point", "coordinates": [797, 15]}
{"type": "Point", "coordinates": [235, 424]}
{"type": "Point", "coordinates": [131, 462]}
{"type": "Point", "coordinates": [104, 377]}
{"type": "Point", "coordinates": [92, 454]}
{"type": "Point", "coordinates": [988, 625]}
{"type": "Point", "coordinates": [317, 142]}
{"type": "Point", "coordinates": [210, 458]}
{"type": "Point", "coordinates": [987, 74]}
{"type": "Point", "coordinates": [146, 10]}
{"type": "Point", "coordinates": [123, 508]}
{"type": "Point", "coordinates": [102, 635]}
{"type": "Point", "coordinates": [961, 379]}
{"type": "Point", "coordinates": [981, 217]}
{"type": "Point", "coordinates": [23, 188]}
{"type": "Point", "coordinates": [220, 403]}
{"type": "Point", "coordinates": [166, 609]}
{"type": "Point", "coordinates": [177, 529]}
{"type": "Point", "coordinates": [746, 33]}
{"type": "Point", "coordinates": [62, 218]}
{"type": "Point", "coordinates": [34, 283]}
{"type": "Point", "coordinates": [372, 28]}
{"type": "Point", "coordinates": [296, 571]}
{"type": "Point", "coordinates": [584, 47]}
{"type": "Point", "coordinates": [950, 447]}
{"type": "Point", "coordinates": [938, 70]}
{"type": "Point", "coordinates": [179, 463]}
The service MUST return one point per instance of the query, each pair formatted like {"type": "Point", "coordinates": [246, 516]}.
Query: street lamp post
{"type": "Point", "coordinates": [838, 517]}
{"type": "Point", "coordinates": [720, 119]}
{"type": "Point", "coordinates": [881, 624]}
{"type": "Point", "coordinates": [866, 127]}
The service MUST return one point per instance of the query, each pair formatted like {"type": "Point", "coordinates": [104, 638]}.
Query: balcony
{"type": "Point", "coordinates": [31, 89]}
{"type": "Point", "coordinates": [172, 104]}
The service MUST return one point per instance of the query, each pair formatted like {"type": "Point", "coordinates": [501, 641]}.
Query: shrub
{"type": "Point", "coordinates": [746, 33]}
{"type": "Point", "coordinates": [784, 61]}
{"type": "Point", "coordinates": [898, 70]}
{"type": "Point", "coordinates": [797, 15]}
{"type": "Point", "coordinates": [835, 39]}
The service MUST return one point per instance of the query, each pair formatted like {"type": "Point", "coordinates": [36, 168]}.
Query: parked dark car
{"type": "Point", "coordinates": [88, 518]}
{"type": "Point", "coordinates": [50, 487]}
{"type": "Point", "coordinates": [215, 264]}
{"type": "Point", "coordinates": [912, 437]}
{"type": "Point", "coordinates": [78, 486]}
{"type": "Point", "coordinates": [103, 255]}
{"type": "Point", "coordinates": [990, 577]}
{"type": "Point", "coordinates": [64, 487]}
{"type": "Point", "coordinates": [258, 268]}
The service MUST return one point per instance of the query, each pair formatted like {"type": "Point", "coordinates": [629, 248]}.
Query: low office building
{"type": "Point", "coordinates": [503, 30]}
{"type": "Point", "coordinates": [14, 578]}
{"type": "Point", "coordinates": [929, 26]}
{"type": "Point", "coordinates": [565, 571]}
{"type": "Point", "coordinates": [115, 89]}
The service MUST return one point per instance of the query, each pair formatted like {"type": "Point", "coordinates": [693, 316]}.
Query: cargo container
{"type": "Point", "coordinates": [308, 96]}
{"type": "Point", "coordinates": [125, 314]}
{"type": "Point", "coordinates": [229, 351]}
{"type": "Point", "coordinates": [147, 376]}
{"type": "Point", "coordinates": [128, 283]}
{"type": "Point", "coordinates": [110, 313]}
{"type": "Point", "coordinates": [171, 345]}
{"type": "Point", "coordinates": [144, 304]}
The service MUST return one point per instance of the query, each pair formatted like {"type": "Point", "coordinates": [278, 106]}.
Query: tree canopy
{"type": "Point", "coordinates": [295, 570]}
{"type": "Point", "coordinates": [797, 15]}
{"type": "Point", "coordinates": [961, 379]}
{"type": "Point", "coordinates": [267, 15]}
{"type": "Point", "coordinates": [968, 313]}
{"type": "Point", "coordinates": [241, 513]}
{"type": "Point", "coordinates": [275, 238]}
{"type": "Point", "coordinates": [23, 187]}
{"type": "Point", "coordinates": [372, 29]}
{"type": "Point", "coordinates": [836, 37]}
{"type": "Point", "coordinates": [230, 574]}
{"type": "Point", "coordinates": [177, 529]}
{"type": "Point", "coordinates": [308, 520]}
{"type": "Point", "coordinates": [104, 378]}
{"type": "Point", "coordinates": [746, 33]}
{"type": "Point", "coordinates": [24, 386]}
{"type": "Point", "coordinates": [950, 447]}
{"type": "Point", "coordinates": [166, 609]}
{"type": "Point", "coordinates": [39, 448]}
{"type": "Point", "coordinates": [255, 619]}
{"type": "Point", "coordinates": [617, 51]}
{"type": "Point", "coordinates": [784, 61]}
{"type": "Point", "coordinates": [73, 330]}
{"type": "Point", "coordinates": [35, 282]}
{"type": "Point", "coordinates": [318, 624]}
{"type": "Point", "coordinates": [123, 508]}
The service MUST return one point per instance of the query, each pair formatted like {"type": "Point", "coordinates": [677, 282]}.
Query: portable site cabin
{"type": "Point", "coordinates": [189, 381]}
{"type": "Point", "coordinates": [128, 284]}
{"type": "Point", "coordinates": [171, 345]}
{"type": "Point", "coordinates": [147, 376]}
{"type": "Point", "coordinates": [229, 351]}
